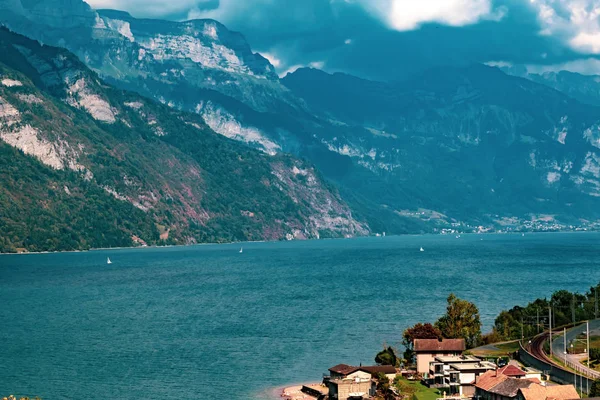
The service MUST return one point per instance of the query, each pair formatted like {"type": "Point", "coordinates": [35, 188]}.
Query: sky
{"type": "Point", "coordinates": [393, 39]}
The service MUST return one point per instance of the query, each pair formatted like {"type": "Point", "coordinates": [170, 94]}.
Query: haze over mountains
{"type": "Point", "coordinates": [453, 146]}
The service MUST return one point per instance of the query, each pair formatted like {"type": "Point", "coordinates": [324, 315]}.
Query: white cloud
{"type": "Point", "coordinates": [348, 41]}
{"type": "Point", "coordinates": [499, 64]}
{"type": "Point", "coordinates": [150, 8]}
{"type": "Point", "coordinates": [276, 62]}
{"type": "Point", "coordinates": [577, 22]}
{"type": "Point", "coordinates": [317, 64]}
{"type": "Point", "coordinates": [404, 15]}
{"type": "Point", "coordinates": [586, 66]}
{"type": "Point", "coordinates": [290, 70]}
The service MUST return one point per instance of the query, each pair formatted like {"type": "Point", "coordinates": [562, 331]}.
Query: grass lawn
{"type": "Point", "coordinates": [579, 345]}
{"type": "Point", "coordinates": [496, 350]}
{"type": "Point", "coordinates": [422, 391]}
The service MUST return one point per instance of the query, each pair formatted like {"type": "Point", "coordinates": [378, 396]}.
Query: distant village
{"type": "Point", "coordinates": [442, 370]}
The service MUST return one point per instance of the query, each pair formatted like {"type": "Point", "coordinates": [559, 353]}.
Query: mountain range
{"type": "Point", "coordinates": [312, 154]}
{"type": "Point", "coordinates": [87, 165]}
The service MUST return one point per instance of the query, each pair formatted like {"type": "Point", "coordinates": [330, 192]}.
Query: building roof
{"type": "Point", "coordinates": [435, 345]}
{"type": "Point", "coordinates": [343, 369]}
{"type": "Point", "coordinates": [511, 370]}
{"type": "Point", "coordinates": [375, 369]}
{"type": "Point", "coordinates": [489, 379]}
{"type": "Point", "coordinates": [473, 366]}
{"type": "Point", "coordinates": [457, 359]}
{"type": "Point", "coordinates": [511, 386]}
{"type": "Point", "coordinates": [557, 392]}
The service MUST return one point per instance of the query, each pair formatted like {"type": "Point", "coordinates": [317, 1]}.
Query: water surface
{"type": "Point", "coordinates": [206, 322]}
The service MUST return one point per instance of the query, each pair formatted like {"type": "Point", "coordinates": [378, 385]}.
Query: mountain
{"type": "Point", "coordinates": [472, 143]}
{"type": "Point", "coordinates": [452, 147]}
{"type": "Point", "coordinates": [584, 88]}
{"type": "Point", "coordinates": [87, 165]}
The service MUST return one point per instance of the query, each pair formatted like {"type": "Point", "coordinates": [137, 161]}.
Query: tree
{"type": "Point", "coordinates": [595, 389]}
{"type": "Point", "coordinates": [418, 331]}
{"type": "Point", "coordinates": [386, 357]}
{"type": "Point", "coordinates": [460, 321]}
{"type": "Point", "coordinates": [594, 354]}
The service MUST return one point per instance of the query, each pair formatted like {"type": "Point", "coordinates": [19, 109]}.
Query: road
{"type": "Point", "coordinates": [574, 360]}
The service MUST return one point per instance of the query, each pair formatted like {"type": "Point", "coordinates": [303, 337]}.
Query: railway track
{"type": "Point", "coordinates": [536, 348]}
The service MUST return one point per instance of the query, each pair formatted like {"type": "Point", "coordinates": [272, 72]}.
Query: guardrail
{"type": "Point", "coordinates": [581, 369]}
{"type": "Point", "coordinates": [556, 373]}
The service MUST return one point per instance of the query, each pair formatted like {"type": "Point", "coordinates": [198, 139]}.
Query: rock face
{"type": "Point", "coordinates": [163, 175]}
{"type": "Point", "coordinates": [451, 147]}
{"type": "Point", "coordinates": [472, 143]}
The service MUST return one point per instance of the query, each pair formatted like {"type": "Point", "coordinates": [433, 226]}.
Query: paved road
{"type": "Point", "coordinates": [574, 359]}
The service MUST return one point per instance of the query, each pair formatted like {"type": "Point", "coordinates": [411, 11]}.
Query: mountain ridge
{"type": "Point", "coordinates": [468, 148]}
{"type": "Point", "coordinates": [179, 181]}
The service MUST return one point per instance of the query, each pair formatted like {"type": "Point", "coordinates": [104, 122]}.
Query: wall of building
{"type": "Point", "coordinates": [344, 388]}
{"type": "Point", "coordinates": [359, 375]}
{"type": "Point", "coordinates": [423, 361]}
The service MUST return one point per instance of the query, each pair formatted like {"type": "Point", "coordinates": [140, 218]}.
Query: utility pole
{"type": "Point", "coordinates": [522, 335]}
{"type": "Point", "coordinates": [538, 319]}
{"type": "Point", "coordinates": [565, 344]}
{"type": "Point", "coordinates": [550, 328]}
{"type": "Point", "coordinates": [587, 337]}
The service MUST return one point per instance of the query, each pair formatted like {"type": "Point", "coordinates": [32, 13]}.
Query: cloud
{"type": "Point", "coordinates": [586, 66]}
{"type": "Point", "coordinates": [393, 39]}
{"type": "Point", "coordinates": [575, 22]}
{"type": "Point", "coordinates": [156, 8]}
{"type": "Point", "coordinates": [405, 15]}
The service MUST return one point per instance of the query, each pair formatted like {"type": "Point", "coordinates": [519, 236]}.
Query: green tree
{"type": "Point", "coordinates": [418, 331]}
{"type": "Point", "coordinates": [386, 357]}
{"type": "Point", "coordinates": [595, 389]}
{"type": "Point", "coordinates": [594, 354]}
{"type": "Point", "coordinates": [460, 321]}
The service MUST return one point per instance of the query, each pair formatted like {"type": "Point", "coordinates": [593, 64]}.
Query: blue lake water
{"type": "Point", "coordinates": [206, 322]}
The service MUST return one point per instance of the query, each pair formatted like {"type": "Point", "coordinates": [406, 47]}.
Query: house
{"type": "Point", "coordinates": [513, 371]}
{"type": "Point", "coordinates": [344, 371]}
{"type": "Point", "coordinates": [351, 382]}
{"type": "Point", "coordinates": [522, 373]}
{"type": "Point", "coordinates": [457, 373]}
{"type": "Point", "coordinates": [427, 349]}
{"type": "Point", "coordinates": [496, 386]}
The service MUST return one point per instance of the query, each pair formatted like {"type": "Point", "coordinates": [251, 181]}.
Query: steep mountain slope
{"type": "Point", "coordinates": [197, 66]}
{"type": "Point", "coordinates": [452, 146]}
{"type": "Point", "coordinates": [163, 173]}
{"type": "Point", "coordinates": [472, 143]}
{"type": "Point", "coordinates": [584, 88]}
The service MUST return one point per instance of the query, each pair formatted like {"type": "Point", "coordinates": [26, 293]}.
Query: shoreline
{"type": "Point", "coordinates": [296, 240]}
{"type": "Point", "coordinates": [292, 391]}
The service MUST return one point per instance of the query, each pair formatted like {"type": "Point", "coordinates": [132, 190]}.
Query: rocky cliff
{"type": "Point", "coordinates": [451, 147]}
{"type": "Point", "coordinates": [141, 171]}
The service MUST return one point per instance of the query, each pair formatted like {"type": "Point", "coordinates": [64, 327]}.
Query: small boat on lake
{"type": "Point", "coordinates": [421, 249]}
{"type": "Point", "coordinates": [241, 249]}
{"type": "Point", "coordinates": [108, 260]}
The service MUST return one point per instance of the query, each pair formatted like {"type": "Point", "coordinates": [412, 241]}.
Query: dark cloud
{"type": "Point", "coordinates": [340, 35]}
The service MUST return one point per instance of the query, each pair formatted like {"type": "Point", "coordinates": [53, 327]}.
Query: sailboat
{"type": "Point", "coordinates": [421, 249]}
{"type": "Point", "coordinates": [108, 260]}
{"type": "Point", "coordinates": [241, 249]}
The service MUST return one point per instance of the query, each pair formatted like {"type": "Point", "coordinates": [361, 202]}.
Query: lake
{"type": "Point", "coordinates": [208, 322]}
